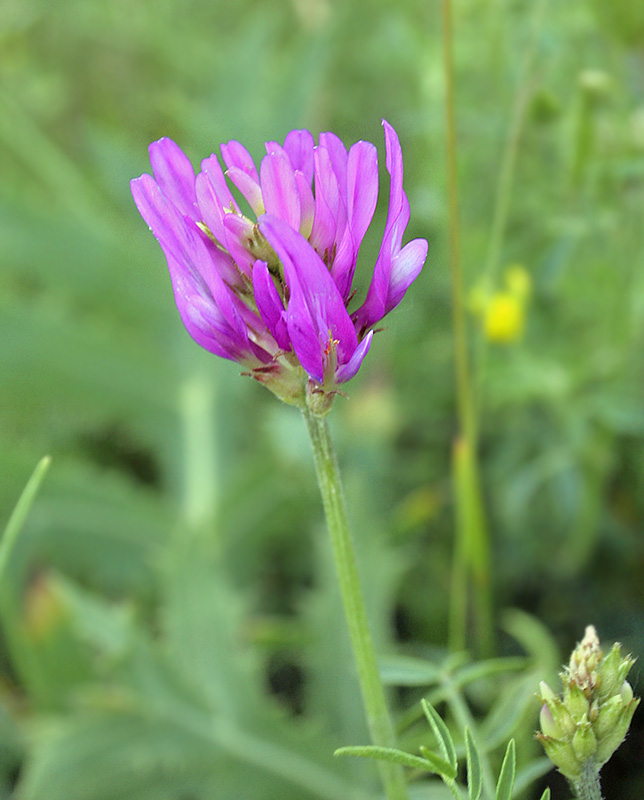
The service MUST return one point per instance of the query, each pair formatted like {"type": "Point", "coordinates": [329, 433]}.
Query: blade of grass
{"type": "Point", "coordinates": [19, 514]}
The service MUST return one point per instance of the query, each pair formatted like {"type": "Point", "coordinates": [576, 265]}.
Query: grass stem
{"type": "Point", "coordinates": [469, 539]}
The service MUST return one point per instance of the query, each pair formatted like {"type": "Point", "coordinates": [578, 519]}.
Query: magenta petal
{"type": "Point", "coordinates": [213, 316]}
{"type": "Point", "coordinates": [175, 175]}
{"type": "Point", "coordinates": [344, 264]}
{"type": "Point", "coordinates": [198, 323]}
{"type": "Point", "coordinates": [326, 200]}
{"type": "Point", "coordinates": [155, 208]}
{"type": "Point", "coordinates": [269, 304]}
{"type": "Point", "coordinates": [210, 328]}
{"type": "Point", "coordinates": [179, 236]}
{"type": "Point", "coordinates": [405, 268]}
{"type": "Point", "coordinates": [374, 307]}
{"type": "Point", "coordinates": [307, 204]}
{"type": "Point", "coordinates": [236, 155]}
{"type": "Point", "coordinates": [338, 156]}
{"type": "Point", "coordinates": [386, 290]}
{"type": "Point", "coordinates": [279, 189]}
{"type": "Point", "coordinates": [273, 147]}
{"type": "Point", "coordinates": [222, 262]}
{"type": "Point", "coordinates": [211, 212]}
{"type": "Point", "coordinates": [238, 233]}
{"type": "Point", "coordinates": [348, 370]}
{"type": "Point", "coordinates": [316, 314]}
{"type": "Point", "coordinates": [362, 188]}
{"type": "Point", "coordinates": [249, 188]}
{"type": "Point", "coordinates": [299, 147]}
{"type": "Point", "coordinates": [394, 164]}
{"type": "Point", "coordinates": [208, 308]}
{"type": "Point", "coordinates": [214, 197]}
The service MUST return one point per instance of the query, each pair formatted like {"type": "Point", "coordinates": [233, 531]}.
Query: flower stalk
{"type": "Point", "coordinates": [471, 567]}
{"type": "Point", "coordinates": [588, 787]}
{"type": "Point", "coordinates": [373, 694]}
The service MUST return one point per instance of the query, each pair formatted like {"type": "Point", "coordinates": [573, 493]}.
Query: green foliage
{"type": "Point", "coordinates": [505, 783]}
{"type": "Point", "coordinates": [474, 779]}
{"type": "Point", "coordinates": [447, 766]}
{"type": "Point", "coordinates": [170, 623]}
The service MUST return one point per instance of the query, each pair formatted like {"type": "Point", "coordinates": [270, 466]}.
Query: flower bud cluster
{"type": "Point", "coordinates": [590, 720]}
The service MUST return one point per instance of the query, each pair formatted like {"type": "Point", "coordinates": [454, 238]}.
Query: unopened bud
{"type": "Point", "coordinates": [613, 672]}
{"type": "Point", "coordinates": [608, 717]}
{"type": "Point", "coordinates": [626, 692]}
{"type": "Point", "coordinates": [584, 742]}
{"type": "Point", "coordinates": [584, 727]}
{"type": "Point", "coordinates": [548, 725]}
{"type": "Point", "coordinates": [576, 701]}
{"type": "Point", "coordinates": [562, 755]}
{"type": "Point", "coordinates": [545, 692]}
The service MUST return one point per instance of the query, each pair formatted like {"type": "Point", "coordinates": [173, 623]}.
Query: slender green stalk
{"type": "Point", "coordinates": [507, 170]}
{"type": "Point", "coordinates": [471, 539]}
{"type": "Point", "coordinates": [466, 415]}
{"type": "Point", "coordinates": [508, 163]}
{"type": "Point", "coordinates": [373, 694]}
{"type": "Point", "coordinates": [588, 788]}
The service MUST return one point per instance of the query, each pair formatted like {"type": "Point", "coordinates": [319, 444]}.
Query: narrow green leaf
{"type": "Point", "coordinates": [469, 673]}
{"type": "Point", "coordinates": [546, 794]}
{"type": "Point", "coordinates": [19, 514]}
{"type": "Point", "coordinates": [391, 755]}
{"type": "Point", "coordinates": [441, 732]}
{"type": "Point", "coordinates": [506, 778]}
{"type": "Point", "coordinates": [474, 777]}
{"type": "Point", "coordinates": [441, 767]}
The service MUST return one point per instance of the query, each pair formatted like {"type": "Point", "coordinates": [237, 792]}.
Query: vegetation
{"type": "Point", "coordinates": [169, 613]}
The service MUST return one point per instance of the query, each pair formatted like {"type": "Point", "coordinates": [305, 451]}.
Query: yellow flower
{"type": "Point", "coordinates": [504, 318]}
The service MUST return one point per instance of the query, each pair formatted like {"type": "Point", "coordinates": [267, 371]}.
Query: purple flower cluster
{"type": "Point", "coordinates": [272, 293]}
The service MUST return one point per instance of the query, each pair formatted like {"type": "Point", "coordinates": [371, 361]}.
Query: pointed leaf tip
{"type": "Point", "coordinates": [441, 731]}
{"type": "Point", "coordinates": [506, 778]}
{"type": "Point", "coordinates": [474, 775]}
{"type": "Point", "coordinates": [20, 512]}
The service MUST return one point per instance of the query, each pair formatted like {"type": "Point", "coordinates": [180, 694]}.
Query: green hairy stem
{"type": "Point", "coordinates": [588, 788]}
{"type": "Point", "coordinates": [373, 695]}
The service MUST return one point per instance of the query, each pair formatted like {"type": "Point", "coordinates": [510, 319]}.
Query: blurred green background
{"type": "Point", "coordinates": [180, 520]}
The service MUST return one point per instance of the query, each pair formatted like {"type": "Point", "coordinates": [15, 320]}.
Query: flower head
{"type": "Point", "coordinates": [581, 729]}
{"type": "Point", "coordinates": [272, 291]}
